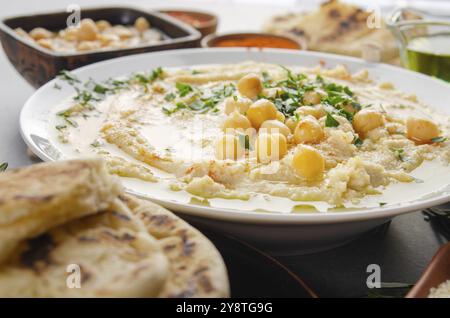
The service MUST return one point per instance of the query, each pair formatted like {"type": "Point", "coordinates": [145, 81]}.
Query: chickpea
{"type": "Point", "coordinates": [308, 130]}
{"type": "Point", "coordinates": [275, 126]}
{"type": "Point", "coordinates": [366, 120]}
{"type": "Point", "coordinates": [141, 24]}
{"type": "Point", "coordinates": [88, 30]}
{"type": "Point", "coordinates": [122, 32]}
{"type": "Point", "coordinates": [270, 147]}
{"type": "Point", "coordinates": [102, 25]}
{"type": "Point", "coordinates": [40, 33]}
{"type": "Point", "coordinates": [46, 43]}
{"type": "Point", "coordinates": [421, 129]}
{"type": "Point", "coordinates": [250, 86]}
{"type": "Point", "coordinates": [106, 39]}
{"type": "Point", "coordinates": [308, 163]}
{"type": "Point", "coordinates": [260, 111]}
{"type": "Point", "coordinates": [69, 34]}
{"type": "Point", "coordinates": [236, 121]}
{"type": "Point", "coordinates": [317, 111]}
{"type": "Point", "coordinates": [228, 147]}
{"type": "Point", "coordinates": [311, 98]}
{"type": "Point", "coordinates": [88, 45]}
{"type": "Point", "coordinates": [241, 104]}
{"type": "Point", "coordinates": [291, 123]}
{"type": "Point", "coordinates": [281, 117]}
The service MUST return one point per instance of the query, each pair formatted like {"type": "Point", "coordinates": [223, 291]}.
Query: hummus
{"type": "Point", "coordinates": [340, 137]}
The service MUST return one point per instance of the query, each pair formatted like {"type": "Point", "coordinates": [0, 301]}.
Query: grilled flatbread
{"type": "Point", "coordinates": [39, 197]}
{"type": "Point", "coordinates": [337, 28]}
{"type": "Point", "coordinates": [108, 251]}
{"type": "Point", "coordinates": [196, 267]}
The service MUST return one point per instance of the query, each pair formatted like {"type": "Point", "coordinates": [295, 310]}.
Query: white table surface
{"type": "Point", "coordinates": [402, 252]}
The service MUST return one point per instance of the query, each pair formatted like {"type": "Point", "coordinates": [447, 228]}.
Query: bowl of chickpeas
{"type": "Point", "coordinates": [41, 46]}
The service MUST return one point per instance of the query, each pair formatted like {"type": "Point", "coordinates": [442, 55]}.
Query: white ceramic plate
{"type": "Point", "coordinates": [279, 232]}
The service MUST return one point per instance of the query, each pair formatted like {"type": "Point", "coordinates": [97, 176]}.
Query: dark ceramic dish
{"type": "Point", "coordinates": [437, 272]}
{"type": "Point", "coordinates": [206, 22]}
{"type": "Point", "coordinates": [39, 65]}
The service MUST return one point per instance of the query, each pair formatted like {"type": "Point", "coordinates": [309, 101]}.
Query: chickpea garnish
{"type": "Point", "coordinates": [228, 147]}
{"type": "Point", "coordinates": [308, 130]}
{"type": "Point", "coordinates": [241, 104]}
{"type": "Point", "coordinates": [236, 121]}
{"type": "Point", "coordinates": [308, 163]}
{"type": "Point", "coordinates": [102, 25]}
{"type": "Point", "coordinates": [250, 86]}
{"type": "Point", "coordinates": [421, 130]}
{"type": "Point", "coordinates": [270, 147]}
{"type": "Point", "coordinates": [291, 123]}
{"type": "Point", "coordinates": [88, 30]}
{"type": "Point", "coordinates": [40, 33]}
{"type": "Point", "coordinates": [274, 126]}
{"type": "Point", "coordinates": [367, 120]}
{"type": "Point", "coordinates": [316, 111]}
{"type": "Point", "coordinates": [311, 98]}
{"type": "Point", "coordinates": [260, 111]}
{"type": "Point", "coordinates": [141, 24]}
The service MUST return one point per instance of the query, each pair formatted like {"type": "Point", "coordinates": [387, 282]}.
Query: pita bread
{"type": "Point", "coordinates": [196, 267]}
{"type": "Point", "coordinates": [337, 28]}
{"type": "Point", "coordinates": [36, 198]}
{"type": "Point", "coordinates": [114, 258]}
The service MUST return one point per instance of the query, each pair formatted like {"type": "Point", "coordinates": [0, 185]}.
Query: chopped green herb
{"type": "Point", "coordinates": [399, 153]}
{"type": "Point", "coordinates": [266, 79]}
{"type": "Point", "coordinates": [170, 97]}
{"type": "Point", "coordinates": [60, 127]}
{"type": "Point", "coordinates": [68, 77]}
{"type": "Point", "coordinates": [3, 166]}
{"type": "Point", "coordinates": [96, 143]}
{"type": "Point", "coordinates": [438, 139]}
{"type": "Point", "coordinates": [330, 121]}
{"type": "Point", "coordinates": [183, 89]}
{"type": "Point", "coordinates": [383, 203]}
{"type": "Point", "coordinates": [195, 72]}
{"type": "Point", "coordinates": [177, 107]}
{"type": "Point", "coordinates": [357, 141]}
{"type": "Point", "coordinates": [70, 122]}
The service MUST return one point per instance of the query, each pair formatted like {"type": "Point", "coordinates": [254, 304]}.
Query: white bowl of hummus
{"type": "Point", "coordinates": [296, 151]}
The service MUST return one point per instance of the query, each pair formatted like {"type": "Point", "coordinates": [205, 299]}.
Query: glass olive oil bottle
{"type": "Point", "coordinates": [430, 55]}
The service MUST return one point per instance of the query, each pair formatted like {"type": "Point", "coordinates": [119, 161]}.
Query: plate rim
{"type": "Point", "coordinates": [234, 215]}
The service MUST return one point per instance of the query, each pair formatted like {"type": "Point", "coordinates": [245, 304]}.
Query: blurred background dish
{"type": "Point", "coordinates": [258, 40]}
{"type": "Point", "coordinates": [204, 22]}
{"type": "Point", "coordinates": [38, 64]}
{"type": "Point", "coordinates": [437, 273]}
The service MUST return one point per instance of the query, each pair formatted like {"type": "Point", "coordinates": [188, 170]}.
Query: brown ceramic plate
{"type": "Point", "coordinates": [253, 273]}
{"type": "Point", "coordinates": [38, 65]}
{"type": "Point", "coordinates": [437, 272]}
{"type": "Point", "coordinates": [260, 40]}
{"type": "Point", "coordinates": [205, 22]}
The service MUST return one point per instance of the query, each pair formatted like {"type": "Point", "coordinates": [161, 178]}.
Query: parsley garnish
{"type": "Point", "coordinates": [398, 153]}
{"type": "Point", "coordinates": [68, 77]}
{"type": "Point", "coordinates": [357, 141]}
{"type": "Point", "coordinates": [438, 139]}
{"type": "Point", "coordinates": [169, 97]}
{"type": "Point", "coordinates": [383, 203]}
{"type": "Point", "coordinates": [3, 166]}
{"type": "Point", "coordinates": [330, 121]}
{"type": "Point", "coordinates": [183, 89]}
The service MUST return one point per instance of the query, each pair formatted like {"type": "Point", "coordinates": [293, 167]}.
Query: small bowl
{"type": "Point", "coordinates": [437, 272]}
{"type": "Point", "coordinates": [204, 22]}
{"type": "Point", "coordinates": [259, 40]}
{"type": "Point", "coordinates": [39, 65]}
